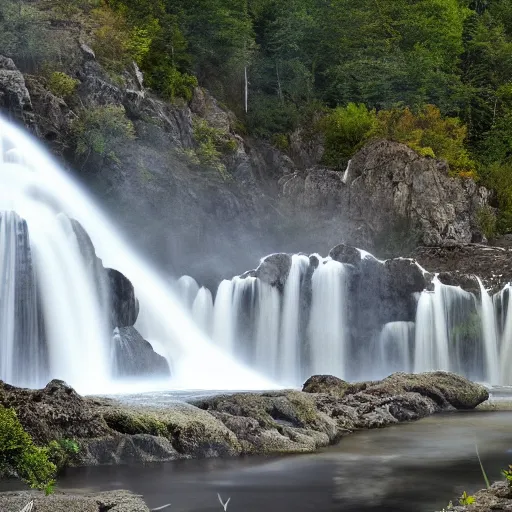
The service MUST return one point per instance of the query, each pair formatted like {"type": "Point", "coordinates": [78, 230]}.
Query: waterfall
{"type": "Point", "coordinates": [78, 349]}
{"type": "Point", "coordinates": [187, 290]}
{"type": "Point", "coordinates": [506, 336]}
{"type": "Point", "coordinates": [289, 355]}
{"type": "Point", "coordinates": [489, 335]}
{"type": "Point", "coordinates": [268, 311]}
{"type": "Point", "coordinates": [328, 323]}
{"type": "Point", "coordinates": [393, 348]}
{"type": "Point", "coordinates": [202, 310]}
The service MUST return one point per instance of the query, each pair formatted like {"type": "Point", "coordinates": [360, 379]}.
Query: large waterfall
{"type": "Point", "coordinates": [54, 322]}
{"type": "Point", "coordinates": [347, 314]}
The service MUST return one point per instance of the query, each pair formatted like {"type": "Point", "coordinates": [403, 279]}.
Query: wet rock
{"type": "Point", "coordinates": [274, 269]}
{"type": "Point", "coordinates": [114, 501]}
{"type": "Point", "coordinates": [459, 263]}
{"type": "Point", "coordinates": [14, 96]}
{"type": "Point", "coordinates": [346, 254]}
{"type": "Point", "coordinates": [124, 305]}
{"type": "Point", "coordinates": [134, 357]}
{"type": "Point", "coordinates": [498, 497]}
{"type": "Point", "coordinates": [54, 412]}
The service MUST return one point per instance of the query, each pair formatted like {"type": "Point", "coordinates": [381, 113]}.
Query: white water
{"type": "Point", "coordinates": [39, 190]}
{"type": "Point", "coordinates": [202, 310]}
{"type": "Point", "coordinates": [506, 340]}
{"type": "Point", "coordinates": [328, 323]}
{"type": "Point", "coordinates": [289, 355]}
{"type": "Point", "coordinates": [490, 335]}
{"type": "Point", "coordinates": [393, 347]}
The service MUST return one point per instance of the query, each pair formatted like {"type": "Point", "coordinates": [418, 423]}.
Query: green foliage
{"type": "Point", "coordinates": [19, 455]}
{"type": "Point", "coordinates": [498, 176]}
{"type": "Point", "coordinates": [63, 452]}
{"type": "Point", "coordinates": [345, 130]}
{"type": "Point", "coordinates": [487, 222]}
{"type": "Point", "coordinates": [507, 473]}
{"type": "Point", "coordinates": [62, 85]}
{"type": "Point", "coordinates": [466, 499]}
{"type": "Point", "coordinates": [98, 130]}
{"type": "Point", "coordinates": [430, 134]}
{"type": "Point", "coordinates": [171, 83]}
{"type": "Point", "coordinates": [211, 145]}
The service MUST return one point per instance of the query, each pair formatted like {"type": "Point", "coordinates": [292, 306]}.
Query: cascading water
{"type": "Point", "coordinates": [202, 310]}
{"type": "Point", "coordinates": [289, 355]}
{"type": "Point", "coordinates": [73, 322]}
{"type": "Point", "coordinates": [393, 349]}
{"type": "Point", "coordinates": [490, 335]}
{"type": "Point", "coordinates": [328, 323]}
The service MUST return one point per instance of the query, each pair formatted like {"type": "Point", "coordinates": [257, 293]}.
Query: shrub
{"type": "Point", "coordinates": [99, 129]}
{"type": "Point", "coordinates": [498, 176]}
{"type": "Point", "coordinates": [171, 83]}
{"type": "Point", "coordinates": [346, 129]}
{"type": "Point", "coordinates": [487, 222]}
{"type": "Point", "coordinates": [19, 455]}
{"type": "Point", "coordinates": [63, 452]}
{"type": "Point", "coordinates": [212, 144]}
{"type": "Point", "coordinates": [62, 85]}
{"type": "Point", "coordinates": [428, 133]}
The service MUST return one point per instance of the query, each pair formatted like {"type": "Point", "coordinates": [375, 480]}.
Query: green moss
{"type": "Point", "coordinates": [100, 129]}
{"type": "Point", "coordinates": [62, 85]}
{"type": "Point", "coordinates": [63, 452]}
{"type": "Point", "coordinates": [19, 455]}
{"type": "Point", "coordinates": [130, 423]}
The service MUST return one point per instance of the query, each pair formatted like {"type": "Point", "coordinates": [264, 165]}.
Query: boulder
{"type": "Point", "coordinates": [54, 412]}
{"type": "Point", "coordinates": [124, 306]}
{"type": "Point", "coordinates": [274, 269]}
{"type": "Point", "coordinates": [114, 501]}
{"type": "Point", "coordinates": [14, 96]}
{"type": "Point", "coordinates": [134, 357]}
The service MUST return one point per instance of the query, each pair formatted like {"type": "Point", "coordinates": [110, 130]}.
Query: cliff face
{"type": "Point", "coordinates": [191, 218]}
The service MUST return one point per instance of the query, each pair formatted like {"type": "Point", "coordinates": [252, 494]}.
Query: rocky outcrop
{"type": "Point", "coordinates": [124, 306]}
{"type": "Point", "coordinates": [134, 357]}
{"type": "Point", "coordinates": [14, 95]}
{"type": "Point", "coordinates": [497, 497]}
{"type": "Point", "coordinates": [459, 264]}
{"type": "Point", "coordinates": [114, 501]}
{"type": "Point", "coordinates": [387, 185]}
{"type": "Point", "coordinates": [288, 421]}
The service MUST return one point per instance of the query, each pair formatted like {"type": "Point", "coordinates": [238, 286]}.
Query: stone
{"type": "Point", "coordinates": [134, 357]}
{"type": "Point", "coordinates": [274, 269]}
{"type": "Point", "coordinates": [54, 412]}
{"type": "Point", "coordinates": [14, 95]}
{"type": "Point", "coordinates": [114, 501]}
{"type": "Point", "coordinates": [124, 306]}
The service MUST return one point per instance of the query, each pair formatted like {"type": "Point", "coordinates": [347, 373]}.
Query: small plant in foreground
{"type": "Point", "coordinates": [28, 507]}
{"type": "Point", "coordinates": [487, 484]}
{"type": "Point", "coordinates": [466, 499]}
{"type": "Point", "coordinates": [507, 473]}
{"type": "Point", "coordinates": [19, 455]}
{"type": "Point", "coordinates": [224, 505]}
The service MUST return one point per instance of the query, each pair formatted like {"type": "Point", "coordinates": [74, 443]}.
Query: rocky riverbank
{"type": "Point", "coordinates": [287, 421]}
{"type": "Point", "coordinates": [497, 497]}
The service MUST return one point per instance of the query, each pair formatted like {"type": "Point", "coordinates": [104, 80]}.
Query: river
{"type": "Point", "coordinates": [410, 467]}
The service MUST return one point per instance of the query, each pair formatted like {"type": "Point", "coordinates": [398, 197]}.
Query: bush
{"type": "Point", "coordinates": [19, 456]}
{"type": "Point", "coordinates": [62, 85]}
{"type": "Point", "coordinates": [171, 83]}
{"type": "Point", "coordinates": [428, 133]}
{"type": "Point", "coordinates": [498, 177]}
{"type": "Point", "coordinates": [487, 222]}
{"type": "Point", "coordinates": [212, 144]}
{"type": "Point", "coordinates": [346, 129]}
{"type": "Point", "coordinates": [63, 452]}
{"type": "Point", "coordinates": [99, 129]}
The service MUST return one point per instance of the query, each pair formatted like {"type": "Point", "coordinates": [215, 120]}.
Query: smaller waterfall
{"type": "Point", "coordinates": [328, 324]}
{"type": "Point", "coordinates": [289, 357]}
{"type": "Point", "coordinates": [394, 347]}
{"type": "Point", "coordinates": [187, 290]}
{"type": "Point", "coordinates": [223, 317]}
{"type": "Point", "coordinates": [268, 312]}
{"type": "Point", "coordinates": [489, 335]}
{"type": "Point", "coordinates": [506, 336]}
{"type": "Point", "coordinates": [202, 310]}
